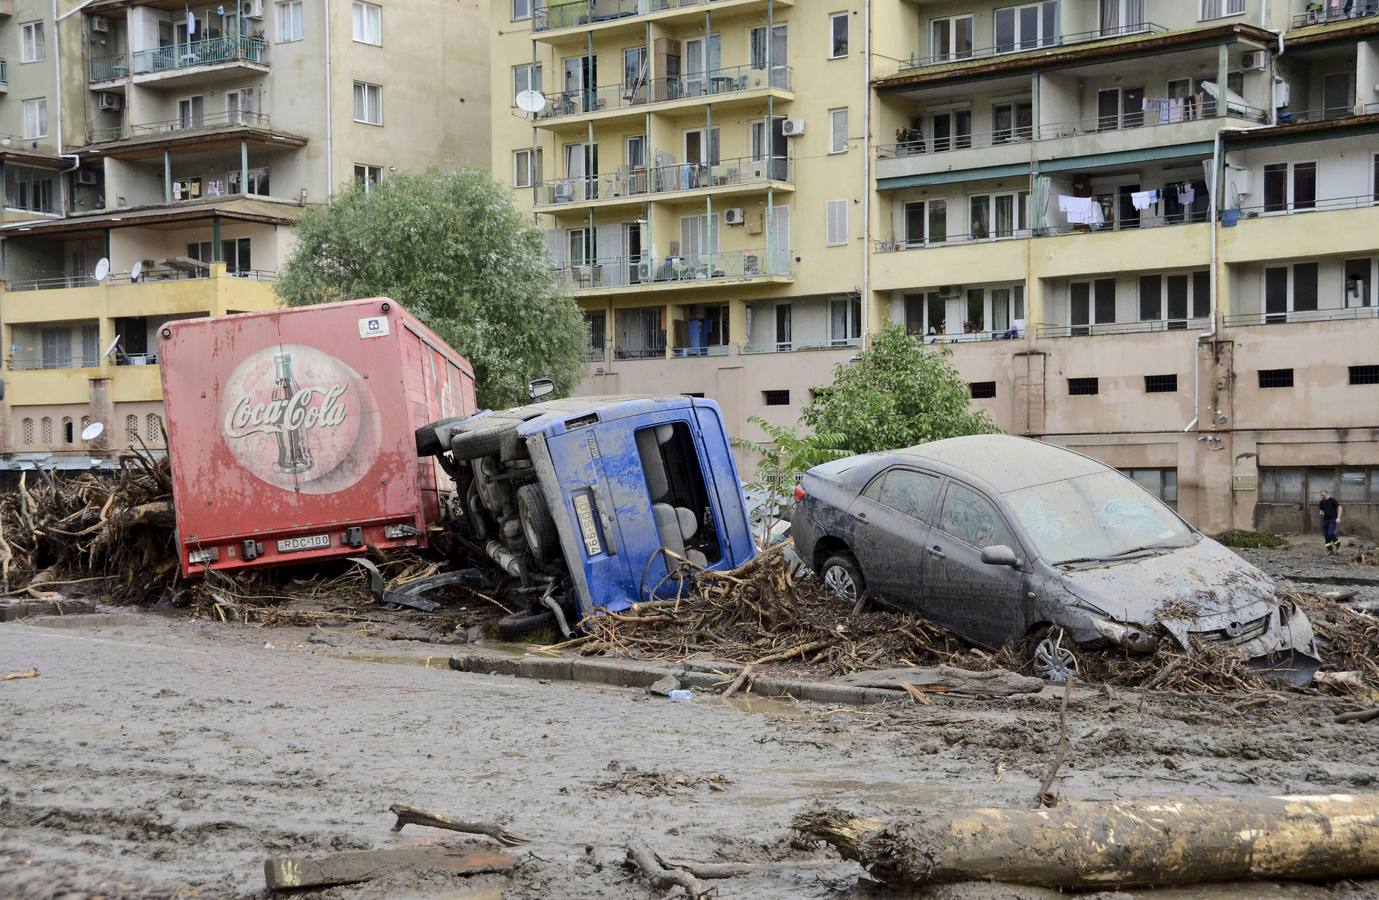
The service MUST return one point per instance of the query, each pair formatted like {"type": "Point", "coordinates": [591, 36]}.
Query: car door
{"type": "Point", "coordinates": [890, 527]}
{"type": "Point", "coordinates": [981, 602]}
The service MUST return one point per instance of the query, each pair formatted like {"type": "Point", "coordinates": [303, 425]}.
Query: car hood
{"type": "Point", "coordinates": [1196, 584]}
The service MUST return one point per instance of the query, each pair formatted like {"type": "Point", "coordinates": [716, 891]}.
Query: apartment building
{"type": "Point", "coordinates": [1145, 229]}
{"type": "Point", "coordinates": [156, 157]}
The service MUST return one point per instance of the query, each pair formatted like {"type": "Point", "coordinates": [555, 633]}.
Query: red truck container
{"type": "Point", "coordinates": [291, 432]}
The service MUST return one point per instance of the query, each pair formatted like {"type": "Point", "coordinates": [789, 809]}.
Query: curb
{"type": "Point", "coordinates": [13, 610]}
{"type": "Point", "coordinates": [706, 676]}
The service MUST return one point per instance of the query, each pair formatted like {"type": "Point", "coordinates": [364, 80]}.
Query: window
{"type": "Point", "coordinates": [982, 390]}
{"type": "Point", "coordinates": [837, 235]}
{"type": "Point", "coordinates": [1121, 17]}
{"type": "Point", "coordinates": [997, 215]}
{"type": "Point", "coordinates": [1083, 387]}
{"type": "Point", "coordinates": [926, 222]}
{"type": "Point", "coordinates": [36, 118]}
{"type": "Point", "coordinates": [289, 21]}
{"type": "Point", "coordinates": [234, 252]}
{"type": "Point", "coordinates": [1162, 483]}
{"type": "Point", "coordinates": [521, 9]}
{"type": "Point", "coordinates": [951, 130]}
{"type": "Point", "coordinates": [526, 77]}
{"type": "Point", "coordinates": [1161, 384]}
{"type": "Point", "coordinates": [1284, 294]}
{"type": "Point", "coordinates": [30, 189]}
{"type": "Point", "coordinates": [367, 176]}
{"type": "Point", "coordinates": [241, 106]}
{"type": "Point", "coordinates": [368, 23]}
{"type": "Point", "coordinates": [56, 348]}
{"type": "Point", "coordinates": [838, 130]}
{"type": "Point", "coordinates": [1013, 121]}
{"type": "Point", "coordinates": [153, 427]}
{"type": "Point", "coordinates": [1091, 303]}
{"type": "Point", "coordinates": [758, 49]}
{"type": "Point", "coordinates": [1027, 26]}
{"type": "Point", "coordinates": [775, 398]}
{"type": "Point", "coordinates": [1338, 95]}
{"type": "Point", "coordinates": [906, 491]}
{"type": "Point", "coordinates": [368, 103]}
{"type": "Point", "coordinates": [1215, 9]}
{"type": "Point", "coordinates": [47, 429]}
{"type": "Point", "coordinates": [970, 517]}
{"type": "Point", "coordinates": [1358, 281]}
{"type": "Point", "coordinates": [1175, 298]}
{"type": "Point", "coordinates": [1290, 186]}
{"type": "Point", "coordinates": [131, 429]}
{"type": "Point", "coordinates": [950, 38]}
{"type": "Point", "coordinates": [31, 48]}
{"type": "Point", "coordinates": [1275, 378]}
{"type": "Point", "coordinates": [526, 167]}
{"type": "Point", "coordinates": [1364, 374]}
{"type": "Point", "coordinates": [90, 348]}
{"type": "Point", "coordinates": [191, 112]}
{"type": "Point", "coordinates": [844, 320]}
{"type": "Point", "coordinates": [28, 431]}
{"type": "Point", "coordinates": [68, 432]}
{"type": "Point", "coordinates": [1120, 108]}
{"type": "Point", "coordinates": [258, 181]}
{"type": "Point", "coordinates": [838, 34]}
{"type": "Point", "coordinates": [595, 333]}
{"type": "Point", "coordinates": [635, 151]}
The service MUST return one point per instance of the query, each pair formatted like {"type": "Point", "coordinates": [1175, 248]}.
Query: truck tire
{"type": "Point", "coordinates": [486, 442]}
{"type": "Point", "coordinates": [428, 444]}
{"type": "Point", "coordinates": [537, 525]}
{"type": "Point", "coordinates": [519, 625]}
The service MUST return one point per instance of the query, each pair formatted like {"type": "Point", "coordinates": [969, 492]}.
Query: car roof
{"type": "Point", "coordinates": [1005, 462]}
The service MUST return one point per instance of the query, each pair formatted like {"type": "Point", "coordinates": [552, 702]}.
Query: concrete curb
{"type": "Point", "coordinates": [706, 676]}
{"type": "Point", "coordinates": [12, 610]}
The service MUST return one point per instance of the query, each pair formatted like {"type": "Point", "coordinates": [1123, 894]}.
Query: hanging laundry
{"type": "Point", "coordinates": [191, 23]}
{"type": "Point", "coordinates": [1159, 106]}
{"type": "Point", "coordinates": [1177, 110]}
{"type": "Point", "coordinates": [1186, 194]}
{"type": "Point", "coordinates": [1080, 210]}
{"type": "Point", "coordinates": [1144, 199]}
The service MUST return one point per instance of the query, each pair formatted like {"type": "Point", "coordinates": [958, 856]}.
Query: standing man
{"type": "Point", "coordinates": [1331, 517]}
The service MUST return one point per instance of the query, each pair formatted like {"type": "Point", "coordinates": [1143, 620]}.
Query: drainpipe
{"type": "Point", "coordinates": [330, 134]}
{"type": "Point", "coordinates": [1218, 181]}
{"type": "Point", "coordinates": [867, 167]}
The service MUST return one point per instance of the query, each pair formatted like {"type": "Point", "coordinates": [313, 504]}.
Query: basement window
{"type": "Point", "coordinates": [1161, 384]}
{"type": "Point", "coordinates": [1275, 378]}
{"type": "Point", "coordinates": [982, 390]}
{"type": "Point", "coordinates": [1083, 387]}
{"type": "Point", "coordinates": [1364, 374]}
{"type": "Point", "coordinates": [775, 398]}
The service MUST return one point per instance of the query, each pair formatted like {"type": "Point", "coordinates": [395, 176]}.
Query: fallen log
{"type": "Point", "coordinates": [661, 876]}
{"type": "Point", "coordinates": [412, 815]}
{"type": "Point", "coordinates": [292, 872]}
{"type": "Point", "coordinates": [1081, 845]}
{"type": "Point", "coordinates": [948, 679]}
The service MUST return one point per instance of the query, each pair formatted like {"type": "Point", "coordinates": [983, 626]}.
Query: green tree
{"type": "Point", "coordinates": [452, 248]}
{"type": "Point", "coordinates": [897, 393]}
{"type": "Point", "coordinates": [783, 457]}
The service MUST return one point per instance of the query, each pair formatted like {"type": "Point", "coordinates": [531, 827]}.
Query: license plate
{"type": "Point", "coordinates": [589, 529]}
{"type": "Point", "coordinates": [306, 542]}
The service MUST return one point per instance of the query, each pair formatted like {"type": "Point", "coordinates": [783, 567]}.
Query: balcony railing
{"type": "Point", "coordinates": [1320, 13]}
{"type": "Point", "coordinates": [1046, 330]}
{"type": "Point", "coordinates": [1154, 116]}
{"type": "Point", "coordinates": [151, 275]}
{"type": "Point", "coordinates": [1282, 208]}
{"type": "Point", "coordinates": [36, 363]}
{"type": "Point", "coordinates": [187, 123]}
{"type": "Point", "coordinates": [637, 181]}
{"type": "Point", "coordinates": [1063, 40]}
{"type": "Point", "coordinates": [1301, 315]}
{"type": "Point", "coordinates": [695, 352]}
{"type": "Point", "coordinates": [1325, 113]}
{"type": "Point", "coordinates": [108, 68]}
{"type": "Point", "coordinates": [714, 83]}
{"type": "Point", "coordinates": [593, 12]}
{"type": "Point", "coordinates": [797, 346]}
{"type": "Point", "coordinates": [624, 271]}
{"type": "Point", "coordinates": [209, 52]}
{"type": "Point", "coordinates": [952, 240]}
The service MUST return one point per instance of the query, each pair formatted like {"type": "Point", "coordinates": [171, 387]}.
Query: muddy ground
{"type": "Point", "coordinates": [156, 755]}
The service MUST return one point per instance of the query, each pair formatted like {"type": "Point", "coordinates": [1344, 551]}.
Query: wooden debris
{"type": "Point", "coordinates": [660, 875]}
{"type": "Point", "coordinates": [1044, 796]}
{"type": "Point", "coordinates": [292, 872]}
{"type": "Point", "coordinates": [411, 815]}
{"type": "Point", "coordinates": [30, 672]}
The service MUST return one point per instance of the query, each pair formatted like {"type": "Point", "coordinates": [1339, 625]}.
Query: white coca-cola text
{"type": "Point", "coordinates": [281, 416]}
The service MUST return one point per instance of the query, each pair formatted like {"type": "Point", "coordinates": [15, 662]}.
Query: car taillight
{"type": "Point", "coordinates": [799, 493]}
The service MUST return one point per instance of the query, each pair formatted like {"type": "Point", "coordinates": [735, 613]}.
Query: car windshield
{"type": "Point", "coordinates": [1095, 517]}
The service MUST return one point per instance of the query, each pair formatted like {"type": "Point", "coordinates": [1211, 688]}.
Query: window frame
{"type": "Point", "coordinates": [1019, 43]}
{"type": "Point", "coordinates": [42, 106]}
{"type": "Point", "coordinates": [527, 82]}
{"type": "Point", "coordinates": [367, 8]}
{"type": "Point", "coordinates": [368, 168]}
{"type": "Point", "coordinates": [1019, 202]}
{"type": "Point", "coordinates": [378, 92]}
{"type": "Point", "coordinates": [852, 321]}
{"type": "Point", "coordinates": [835, 145]}
{"type": "Point", "coordinates": [927, 237]}
{"type": "Point", "coordinates": [1013, 540]}
{"type": "Point", "coordinates": [33, 42]}
{"type": "Point", "coordinates": [286, 7]}
{"type": "Point", "coordinates": [532, 167]}
{"type": "Point", "coordinates": [518, 16]}
{"type": "Point", "coordinates": [1222, 9]}
{"type": "Point", "coordinates": [833, 19]}
{"type": "Point", "coordinates": [1016, 134]}
{"type": "Point", "coordinates": [950, 23]}
{"type": "Point", "coordinates": [875, 489]}
{"type": "Point", "coordinates": [830, 239]}
{"type": "Point", "coordinates": [1290, 186]}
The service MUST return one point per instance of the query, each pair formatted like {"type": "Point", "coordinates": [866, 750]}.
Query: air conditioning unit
{"type": "Point", "coordinates": [644, 271]}
{"type": "Point", "coordinates": [734, 216]}
{"type": "Point", "coordinates": [89, 177]}
{"type": "Point", "coordinates": [111, 101]}
{"type": "Point", "coordinates": [100, 24]}
{"type": "Point", "coordinates": [1254, 60]}
{"type": "Point", "coordinates": [792, 127]}
{"type": "Point", "coordinates": [253, 9]}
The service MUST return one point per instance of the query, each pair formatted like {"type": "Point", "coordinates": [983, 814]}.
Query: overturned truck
{"type": "Point", "coordinates": [594, 503]}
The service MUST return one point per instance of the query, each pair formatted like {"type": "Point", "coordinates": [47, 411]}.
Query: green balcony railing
{"type": "Point", "coordinates": [106, 68]}
{"type": "Point", "coordinates": [212, 51]}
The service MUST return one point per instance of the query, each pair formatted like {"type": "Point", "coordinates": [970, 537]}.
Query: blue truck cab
{"type": "Point", "coordinates": [595, 503]}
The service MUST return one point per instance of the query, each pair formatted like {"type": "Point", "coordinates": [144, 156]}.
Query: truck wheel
{"type": "Point", "coordinates": [476, 444]}
{"type": "Point", "coordinates": [519, 625]}
{"type": "Point", "coordinates": [842, 576]}
{"type": "Point", "coordinates": [428, 444]}
{"type": "Point", "coordinates": [537, 525]}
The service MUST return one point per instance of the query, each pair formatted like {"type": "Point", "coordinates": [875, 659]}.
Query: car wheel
{"type": "Point", "coordinates": [537, 525]}
{"type": "Point", "coordinates": [843, 577]}
{"type": "Point", "coordinates": [519, 625]}
{"type": "Point", "coordinates": [1050, 655]}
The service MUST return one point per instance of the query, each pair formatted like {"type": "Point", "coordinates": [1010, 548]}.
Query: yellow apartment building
{"type": "Point", "coordinates": [1146, 229]}
{"type": "Point", "coordinates": [155, 156]}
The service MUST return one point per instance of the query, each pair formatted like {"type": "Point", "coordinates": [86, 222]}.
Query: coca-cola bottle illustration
{"type": "Point", "coordinates": [293, 456]}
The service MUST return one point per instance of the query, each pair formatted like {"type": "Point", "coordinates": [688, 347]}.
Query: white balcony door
{"type": "Point", "coordinates": [778, 241]}
{"type": "Point", "coordinates": [698, 238]}
{"type": "Point", "coordinates": [239, 106]}
{"type": "Point", "coordinates": [701, 59]}
{"type": "Point", "coordinates": [191, 111]}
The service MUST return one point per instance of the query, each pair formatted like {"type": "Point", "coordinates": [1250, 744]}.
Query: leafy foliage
{"type": "Point", "coordinates": [897, 393]}
{"type": "Point", "coordinates": [784, 456]}
{"type": "Point", "coordinates": [451, 248]}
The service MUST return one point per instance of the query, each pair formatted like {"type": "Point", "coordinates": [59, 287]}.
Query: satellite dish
{"type": "Point", "coordinates": [531, 101]}
{"type": "Point", "coordinates": [136, 270]}
{"type": "Point", "coordinates": [111, 349]}
{"type": "Point", "coordinates": [92, 431]}
{"type": "Point", "coordinates": [102, 269]}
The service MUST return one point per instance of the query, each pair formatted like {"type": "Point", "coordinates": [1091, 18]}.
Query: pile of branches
{"type": "Point", "coordinates": [90, 533]}
{"type": "Point", "coordinates": [765, 613]}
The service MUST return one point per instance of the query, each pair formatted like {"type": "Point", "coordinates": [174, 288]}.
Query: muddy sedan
{"type": "Point", "coordinates": [1008, 540]}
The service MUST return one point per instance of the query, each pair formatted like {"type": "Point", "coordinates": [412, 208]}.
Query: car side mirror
{"type": "Point", "coordinates": [539, 388]}
{"type": "Point", "coordinates": [1000, 555]}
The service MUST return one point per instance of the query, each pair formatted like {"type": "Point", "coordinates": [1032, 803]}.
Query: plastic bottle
{"type": "Point", "coordinates": [680, 695]}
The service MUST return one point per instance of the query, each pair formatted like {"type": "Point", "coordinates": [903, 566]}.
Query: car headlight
{"type": "Point", "coordinates": [1131, 637]}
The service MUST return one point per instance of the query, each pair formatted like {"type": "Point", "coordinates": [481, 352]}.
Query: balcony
{"type": "Point", "coordinates": [567, 18]}
{"type": "Point", "coordinates": [1325, 113]}
{"type": "Point", "coordinates": [1046, 330]}
{"type": "Point", "coordinates": [231, 54]}
{"type": "Point", "coordinates": [1312, 227]}
{"type": "Point", "coordinates": [1240, 320]}
{"type": "Point", "coordinates": [108, 68]}
{"type": "Point", "coordinates": [205, 123]}
{"type": "Point", "coordinates": [1324, 13]}
{"type": "Point", "coordinates": [1012, 47]}
{"type": "Point", "coordinates": [624, 274]}
{"type": "Point", "coordinates": [801, 346]}
{"type": "Point", "coordinates": [633, 186]}
{"type": "Point", "coordinates": [722, 87]}
{"type": "Point", "coordinates": [155, 275]}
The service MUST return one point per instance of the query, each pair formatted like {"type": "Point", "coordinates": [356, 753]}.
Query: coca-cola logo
{"type": "Point", "coordinates": [300, 419]}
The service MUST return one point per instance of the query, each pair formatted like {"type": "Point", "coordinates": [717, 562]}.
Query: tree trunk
{"type": "Point", "coordinates": [1092, 846]}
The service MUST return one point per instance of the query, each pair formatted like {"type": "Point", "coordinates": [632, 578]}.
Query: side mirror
{"type": "Point", "coordinates": [539, 388]}
{"type": "Point", "coordinates": [1000, 555]}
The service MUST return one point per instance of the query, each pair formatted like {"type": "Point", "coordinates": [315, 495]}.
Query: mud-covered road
{"type": "Point", "coordinates": [169, 757]}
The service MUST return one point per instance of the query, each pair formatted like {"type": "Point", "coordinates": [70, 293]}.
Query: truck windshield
{"type": "Point", "coordinates": [679, 494]}
{"type": "Point", "coordinates": [1095, 517]}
